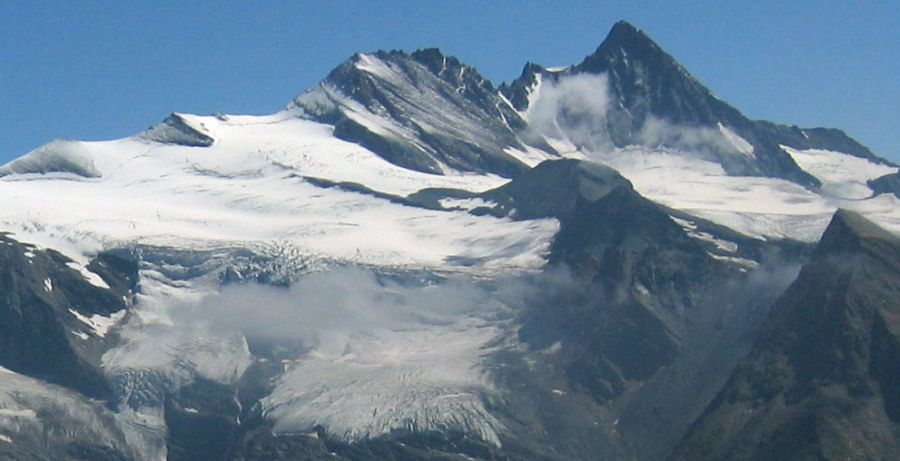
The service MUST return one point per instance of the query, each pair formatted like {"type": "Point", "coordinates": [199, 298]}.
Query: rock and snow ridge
{"type": "Point", "coordinates": [423, 111]}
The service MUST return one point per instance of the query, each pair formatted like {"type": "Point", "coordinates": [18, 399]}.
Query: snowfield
{"type": "Point", "coordinates": [248, 188]}
{"type": "Point", "coordinates": [843, 176]}
{"type": "Point", "coordinates": [760, 207]}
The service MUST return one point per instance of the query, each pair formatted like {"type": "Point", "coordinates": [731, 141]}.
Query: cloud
{"type": "Point", "coordinates": [657, 132]}
{"type": "Point", "coordinates": [326, 309]}
{"type": "Point", "coordinates": [576, 108]}
{"type": "Point", "coordinates": [572, 108]}
{"type": "Point", "coordinates": [379, 354]}
{"type": "Point", "coordinates": [365, 354]}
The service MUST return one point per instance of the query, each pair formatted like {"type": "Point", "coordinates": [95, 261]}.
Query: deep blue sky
{"type": "Point", "coordinates": [107, 69]}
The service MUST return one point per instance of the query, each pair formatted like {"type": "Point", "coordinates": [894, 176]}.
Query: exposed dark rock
{"type": "Point", "coordinates": [176, 130]}
{"type": "Point", "coordinates": [649, 312]}
{"type": "Point", "coordinates": [620, 244]}
{"type": "Point", "coordinates": [38, 293]}
{"type": "Point", "coordinates": [609, 233]}
{"type": "Point", "coordinates": [822, 379]}
{"type": "Point", "coordinates": [887, 184]}
{"type": "Point", "coordinates": [203, 422]}
{"type": "Point", "coordinates": [261, 444]}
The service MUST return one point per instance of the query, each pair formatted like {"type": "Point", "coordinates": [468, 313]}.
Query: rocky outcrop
{"type": "Point", "coordinates": [822, 379]}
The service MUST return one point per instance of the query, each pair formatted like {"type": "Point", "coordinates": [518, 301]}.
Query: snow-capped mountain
{"type": "Point", "coordinates": [408, 262]}
{"type": "Point", "coordinates": [423, 111]}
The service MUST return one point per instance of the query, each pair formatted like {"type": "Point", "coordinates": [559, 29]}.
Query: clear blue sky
{"type": "Point", "coordinates": [106, 69]}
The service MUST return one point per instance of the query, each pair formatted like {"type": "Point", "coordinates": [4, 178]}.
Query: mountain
{"type": "Point", "coordinates": [423, 111]}
{"type": "Point", "coordinates": [408, 262]}
{"type": "Point", "coordinates": [822, 379]}
{"type": "Point", "coordinates": [645, 84]}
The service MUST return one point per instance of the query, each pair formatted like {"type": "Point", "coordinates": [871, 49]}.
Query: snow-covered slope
{"type": "Point", "coordinates": [842, 176]}
{"type": "Point", "coordinates": [250, 187]}
{"type": "Point", "coordinates": [753, 205]}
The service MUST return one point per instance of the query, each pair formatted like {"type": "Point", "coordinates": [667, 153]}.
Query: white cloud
{"type": "Point", "coordinates": [657, 132]}
{"type": "Point", "coordinates": [573, 108]}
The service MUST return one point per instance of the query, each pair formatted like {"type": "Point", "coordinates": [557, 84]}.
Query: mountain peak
{"type": "Point", "coordinates": [427, 55]}
{"type": "Point", "coordinates": [649, 81]}
{"type": "Point", "coordinates": [624, 32]}
{"type": "Point", "coordinates": [555, 187]}
{"type": "Point", "coordinates": [625, 39]}
{"type": "Point", "coordinates": [384, 101]}
{"type": "Point", "coordinates": [850, 232]}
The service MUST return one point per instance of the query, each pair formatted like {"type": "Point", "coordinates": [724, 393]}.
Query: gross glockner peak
{"type": "Point", "coordinates": [649, 88]}
{"type": "Point", "coordinates": [409, 262]}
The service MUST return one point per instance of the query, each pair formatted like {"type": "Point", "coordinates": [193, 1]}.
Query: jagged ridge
{"type": "Point", "coordinates": [423, 111]}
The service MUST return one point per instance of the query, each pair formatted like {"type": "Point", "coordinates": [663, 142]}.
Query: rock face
{"type": "Point", "coordinates": [178, 129]}
{"type": "Point", "coordinates": [423, 111]}
{"type": "Point", "coordinates": [823, 379]}
{"type": "Point", "coordinates": [650, 93]}
{"type": "Point", "coordinates": [642, 268]}
{"type": "Point", "coordinates": [53, 328]}
{"type": "Point", "coordinates": [888, 184]}
{"type": "Point", "coordinates": [45, 422]}
{"type": "Point", "coordinates": [46, 314]}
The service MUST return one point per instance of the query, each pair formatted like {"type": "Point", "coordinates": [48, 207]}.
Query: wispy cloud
{"type": "Point", "coordinates": [573, 108]}
{"type": "Point", "coordinates": [657, 132]}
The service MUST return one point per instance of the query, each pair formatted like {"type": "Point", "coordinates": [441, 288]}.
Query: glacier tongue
{"type": "Point", "coordinates": [391, 382]}
{"type": "Point", "coordinates": [381, 358]}
{"type": "Point", "coordinates": [37, 414]}
{"type": "Point", "coordinates": [362, 355]}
